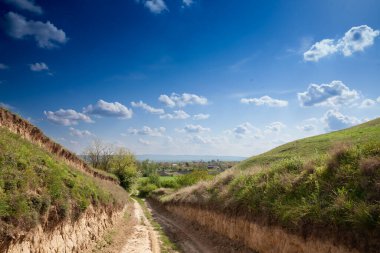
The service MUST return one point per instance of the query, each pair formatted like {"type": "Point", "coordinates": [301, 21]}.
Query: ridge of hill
{"type": "Point", "coordinates": [319, 194]}
{"type": "Point", "coordinates": [47, 192]}
{"type": "Point", "coordinates": [28, 131]}
{"type": "Point", "coordinates": [315, 145]}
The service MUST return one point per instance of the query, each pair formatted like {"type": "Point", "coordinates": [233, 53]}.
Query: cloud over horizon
{"type": "Point", "coordinates": [333, 94]}
{"type": "Point", "coordinates": [335, 120]}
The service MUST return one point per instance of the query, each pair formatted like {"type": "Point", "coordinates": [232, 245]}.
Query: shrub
{"type": "Point", "coordinates": [193, 178]}
{"type": "Point", "coordinates": [146, 189]}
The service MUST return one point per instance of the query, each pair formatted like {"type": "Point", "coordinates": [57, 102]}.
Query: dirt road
{"type": "Point", "coordinates": [143, 237]}
{"type": "Point", "coordinates": [191, 238]}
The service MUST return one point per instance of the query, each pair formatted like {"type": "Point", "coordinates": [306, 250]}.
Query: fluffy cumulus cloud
{"type": "Point", "coordinates": [275, 127]}
{"type": "Point", "coordinates": [28, 5]}
{"type": "Point", "coordinates": [106, 109]}
{"type": "Point", "coordinates": [367, 103]}
{"type": "Point", "coordinates": [201, 116]}
{"type": "Point", "coordinates": [182, 100]}
{"type": "Point", "coordinates": [155, 6]}
{"type": "Point", "coordinates": [265, 100]}
{"type": "Point", "coordinates": [38, 66]}
{"type": "Point", "coordinates": [176, 115]}
{"type": "Point", "coordinates": [356, 39]}
{"type": "Point", "coordinates": [333, 94]}
{"type": "Point", "coordinates": [67, 117]}
{"type": "Point", "coordinates": [335, 120]}
{"type": "Point", "coordinates": [45, 34]}
{"type": "Point", "coordinates": [195, 129]}
{"type": "Point", "coordinates": [80, 133]}
{"type": "Point", "coordinates": [148, 108]}
{"type": "Point", "coordinates": [145, 130]}
{"type": "Point", "coordinates": [320, 49]}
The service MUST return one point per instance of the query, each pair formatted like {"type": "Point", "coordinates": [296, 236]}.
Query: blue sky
{"type": "Point", "coordinates": [190, 77]}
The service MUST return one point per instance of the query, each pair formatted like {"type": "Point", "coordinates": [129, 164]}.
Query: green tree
{"type": "Point", "coordinates": [124, 166]}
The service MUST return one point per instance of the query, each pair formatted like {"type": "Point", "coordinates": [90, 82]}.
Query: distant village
{"type": "Point", "coordinates": [213, 167]}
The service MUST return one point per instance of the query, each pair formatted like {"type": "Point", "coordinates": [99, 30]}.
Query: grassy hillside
{"type": "Point", "coordinates": [309, 187]}
{"type": "Point", "coordinates": [313, 146]}
{"type": "Point", "coordinates": [37, 188]}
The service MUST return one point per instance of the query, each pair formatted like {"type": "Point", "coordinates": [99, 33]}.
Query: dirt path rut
{"type": "Point", "coordinates": [143, 239]}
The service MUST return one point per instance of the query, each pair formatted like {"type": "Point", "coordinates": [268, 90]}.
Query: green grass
{"type": "Point", "coordinates": [309, 186]}
{"type": "Point", "coordinates": [37, 188]}
{"type": "Point", "coordinates": [311, 147]}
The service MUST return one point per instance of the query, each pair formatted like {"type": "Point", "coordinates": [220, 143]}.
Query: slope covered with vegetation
{"type": "Point", "coordinates": [310, 187]}
{"type": "Point", "coordinates": [317, 145]}
{"type": "Point", "coordinates": [36, 187]}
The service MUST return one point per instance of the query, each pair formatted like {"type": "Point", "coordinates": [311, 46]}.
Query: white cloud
{"type": "Point", "coordinates": [367, 103]}
{"type": "Point", "coordinates": [106, 109]}
{"type": "Point", "coordinates": [195, 129]}
{"type": "Point", "coordinates": [201, 116]}
{"type": "Point", "coordinates": [175, 115]}
{"type": "Point", "coordinates": [182, 100]}
{"type": "Point", "coordinates": [156, 6]}
{"type": "Point", "coordinates": [320, 49]}
{"type": "Point", "coordinates": [3, 66]}
{"type": "Point", "coordinates": [187, 2]}
{"type": "Point", "coordinates": [148, 131]}
{"type": "Point", "coordinates": [67, 117]}
{"type": "Point", "coordinates": [275, 127]}
{"type": "Point", "coordinates": [148, 108]}
{"type": "Point", "coordinates": [197, 139]}
{"type": "Point", "coordinates": [46, 34]}
{"type": "Point", "coordinates": [80, 133]}
{"type": "Point", "coordinates": [335, 120]}
{"type": "Point", "coordinates": [356, 39]}
{"type": "Point", "coordinates": [144, 142]}
{"type": "Point", "coordinates": [378, 99]}
{"type": "Point", "coordinates": [265, 100]}
{"type": "Point", "coordinates": [244, 130]}
{"type": "Point", "coordinates": [26, 5]}
{"type": "Point", "coordinates": [306, 127]}
{"type": "Point", "coordinates": [334, 94]}
{"type": "Point", "coordinates": [38, 66]}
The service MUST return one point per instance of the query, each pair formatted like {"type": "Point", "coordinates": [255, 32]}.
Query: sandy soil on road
{"type": "Point", "coordinates": [143, 238]}
{"type": "Point", "coordinates": [132, 234]}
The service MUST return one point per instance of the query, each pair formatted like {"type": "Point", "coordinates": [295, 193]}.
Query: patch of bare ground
{"type": "Point", "coordinates": [191, 237]}
{"type": "Point", "coordinates": [133, 233]}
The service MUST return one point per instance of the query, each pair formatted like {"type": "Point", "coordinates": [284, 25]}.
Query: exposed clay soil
{"type": "Point", "coordinates": [190, 237]}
